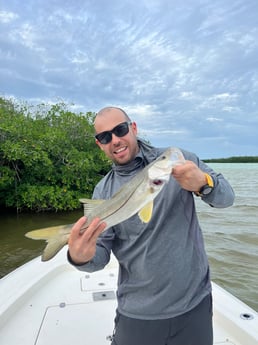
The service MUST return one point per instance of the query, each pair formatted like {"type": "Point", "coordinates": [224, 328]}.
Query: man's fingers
{"type": "Point", "coordinates": [94, 229]}
{"type": "Point", "coordinates": [89, 234]}
{"type": "Point", "coordinates": [77, 227]}
{"type": "Point", "coordinates": [99, 230]}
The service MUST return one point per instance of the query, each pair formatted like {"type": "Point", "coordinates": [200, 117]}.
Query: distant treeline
{"type": "Point", "coordinates": [237, 159]}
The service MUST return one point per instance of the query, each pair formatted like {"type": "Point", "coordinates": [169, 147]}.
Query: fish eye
{"type": "Point", "coordinates": [157, 182]}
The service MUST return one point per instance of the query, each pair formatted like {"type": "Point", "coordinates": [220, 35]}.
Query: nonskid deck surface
{"type": "Point", "coordinates": [53, 303]}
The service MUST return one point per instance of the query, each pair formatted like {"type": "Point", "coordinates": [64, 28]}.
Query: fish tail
{"type": "Point", "coordinates": [56, 237]}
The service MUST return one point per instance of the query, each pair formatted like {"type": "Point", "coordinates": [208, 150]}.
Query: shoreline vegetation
{"type": "Point", "coordinates": [48, 157]}
{"type": "Point", "coordinates": [234, 159]}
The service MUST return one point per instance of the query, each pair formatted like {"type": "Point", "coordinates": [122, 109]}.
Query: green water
{"type": "Point", "coordinates": [15, 248]}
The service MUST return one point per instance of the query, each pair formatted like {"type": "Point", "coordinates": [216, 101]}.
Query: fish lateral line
{"type": "Point", "coordinates": [84, 228]}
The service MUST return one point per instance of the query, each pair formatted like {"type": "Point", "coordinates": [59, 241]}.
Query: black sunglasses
{"type": "Point", "coordinates": [120, 130]}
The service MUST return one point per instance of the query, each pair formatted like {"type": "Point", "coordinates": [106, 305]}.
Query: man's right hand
{"type": "Point", "coordinates": [82, 245]}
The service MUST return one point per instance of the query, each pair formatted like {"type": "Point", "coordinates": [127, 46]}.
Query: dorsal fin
{"type": "Point", "coordinates": [90, 204]}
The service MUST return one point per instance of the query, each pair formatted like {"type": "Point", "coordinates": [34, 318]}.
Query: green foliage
{"type": "Point", "coordinates": [235, 159]}
{"type": "Point", "coordinates": [48, 157]}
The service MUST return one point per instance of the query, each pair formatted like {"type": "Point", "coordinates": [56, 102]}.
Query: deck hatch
{"type": "Point", "coordinates": [103, 295]}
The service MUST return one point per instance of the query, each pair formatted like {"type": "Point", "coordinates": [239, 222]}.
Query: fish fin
{"type": "Point", "coordinates": [90, 204]}
{"type": "Point", "coordinates": [45, 233]}
{"type": "Point", "coordinates": [54, 245]}
{"type": "Point", "coordinates": [56, 237]}
{"type": "Point", "coordinates": [146, 212]}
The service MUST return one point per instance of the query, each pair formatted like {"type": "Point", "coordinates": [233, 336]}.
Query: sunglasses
{"type": "Point", "coordinates": [120, 130]}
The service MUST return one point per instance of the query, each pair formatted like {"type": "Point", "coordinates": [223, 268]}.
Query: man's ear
{"type": "Point", "coordinates": [134, 128]}
{"type": "Point", "coordinates": [99, 144]}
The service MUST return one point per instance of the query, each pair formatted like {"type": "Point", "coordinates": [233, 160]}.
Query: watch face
{"type": "Point", "coordinates": [206, 190]}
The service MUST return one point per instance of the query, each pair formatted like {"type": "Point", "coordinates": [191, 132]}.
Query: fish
{"type": "Point", "coordinates": [134, 197]}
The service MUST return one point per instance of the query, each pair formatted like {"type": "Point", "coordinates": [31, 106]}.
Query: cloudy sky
{"type": "Point", "coordinates": [185, 71]}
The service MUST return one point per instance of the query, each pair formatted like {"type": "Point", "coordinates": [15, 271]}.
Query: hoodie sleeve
{"type": "Point", "coordinates": [222, 195]}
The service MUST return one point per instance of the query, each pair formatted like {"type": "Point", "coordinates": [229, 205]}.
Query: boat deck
{"type": "Point", "coordinates": [53, 303]}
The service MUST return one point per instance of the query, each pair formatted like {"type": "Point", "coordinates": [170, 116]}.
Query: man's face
{"type": "Point", "coordinates": [121, 150]}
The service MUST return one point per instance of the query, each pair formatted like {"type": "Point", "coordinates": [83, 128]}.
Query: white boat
{"type": "Point", "coordinates": [47, 303]}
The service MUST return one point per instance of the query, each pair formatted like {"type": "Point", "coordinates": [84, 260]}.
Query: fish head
{"type": "Point", "coordinates": [161, 169]}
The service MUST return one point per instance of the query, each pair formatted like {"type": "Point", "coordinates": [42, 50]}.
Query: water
{"type": "Point", "coordinates": [15, 248]}
{"type": "Point", "coordinates": [231, 235]}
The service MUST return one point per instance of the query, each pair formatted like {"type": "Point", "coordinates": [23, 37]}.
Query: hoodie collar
{"type": "Point", "coordinates": [146, 154]}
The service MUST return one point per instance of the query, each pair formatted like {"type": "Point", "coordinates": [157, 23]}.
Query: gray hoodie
{"type": "Point", "coordinates": [163, 267]}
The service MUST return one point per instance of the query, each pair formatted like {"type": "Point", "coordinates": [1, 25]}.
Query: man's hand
{"type": "Point", "coordinates": [82, 246]}
{"type": "Point", "coordinates": [189, 176]}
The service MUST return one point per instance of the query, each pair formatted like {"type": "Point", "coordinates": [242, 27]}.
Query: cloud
{"type": "Point", "coordinates": [214, 119]}
{"type": "Point", "coordinates": [7, 17]}
{"type": "Point", "coordinates": [185, 72]}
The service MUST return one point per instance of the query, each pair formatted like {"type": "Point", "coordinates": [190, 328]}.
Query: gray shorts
{"type": "Point", "coordinates": [191, 328]}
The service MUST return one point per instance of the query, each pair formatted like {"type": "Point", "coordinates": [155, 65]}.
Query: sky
{"type": "Point", "coordinates": [185, 71]}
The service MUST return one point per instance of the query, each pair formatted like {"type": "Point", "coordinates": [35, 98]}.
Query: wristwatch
{"type": "Point", "coordinates": [207, 188]}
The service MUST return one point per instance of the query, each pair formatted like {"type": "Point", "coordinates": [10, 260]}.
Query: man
{"type": "Point", "coordinates": [164, 289]}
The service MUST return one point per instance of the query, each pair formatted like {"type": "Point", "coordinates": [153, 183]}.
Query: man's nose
{"type": "Point", "coordinates": [115, 138]}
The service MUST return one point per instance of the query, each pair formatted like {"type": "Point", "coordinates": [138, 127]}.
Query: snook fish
{"type": "Point", "coordinates": [136, 196]}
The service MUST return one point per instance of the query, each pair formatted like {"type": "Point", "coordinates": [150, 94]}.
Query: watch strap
{"type": "Point", "coordinates": [209, 184]}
